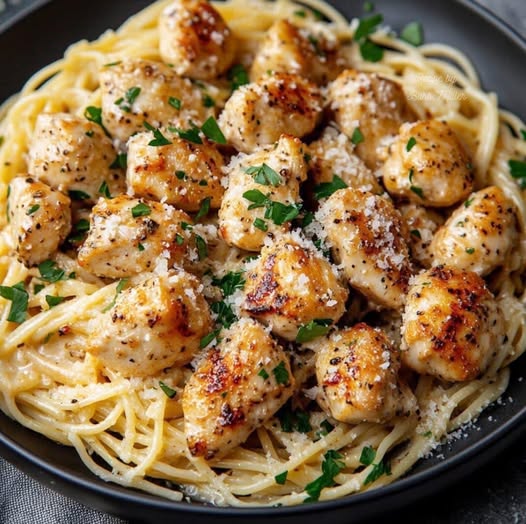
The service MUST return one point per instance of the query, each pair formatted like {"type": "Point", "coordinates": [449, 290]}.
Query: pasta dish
{"type": "Point", "coordinates": [254, 254]}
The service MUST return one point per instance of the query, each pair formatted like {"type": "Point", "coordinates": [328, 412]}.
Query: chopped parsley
{"type": "Point", "coordinates": [224, 313]}
{"type": "Point", "coordinates": [290, 420]}
{"type": "Point", "coordinates": [33, 209]}
{"type": "Point", "coordinates": [120, 162]}
{"type": "Point", "coordinates": [53, 301]}
{"type": "Point", "coordinates": [211, 131]}
{"type": "Point", "coordinates": [415, 189]}
{"type": "Point", "coordinates": [37, 288]}
{"type": "Point", "coordinates": [208, 339]}
{"type": "Point", "coordinates": [263, 374]}
{"type": "Point", "coordinates": [204, 209]}
{"type": "Point", "coordinates": [167, 390]}
{"type": "Point", "coordinates": [300, 13]}
{"type": "Point", "coordinates": [326, 189]}
{"type": "Point", "coordinates": [325, 428]}
{"type": "Point", "coordinates": [90, 133]}
{"type": "Point", "coordinates": [118, 290]}
{"type": "Point", "coordinates": [264, 175]}
{"type": "Point", "coordinates": [523, 133]}
{"type": "Point", "coordinates": [140, 247]}
{"type": "Point", "coordinates": [468, 202]}
{"type": "Point", "coordinates": [208, 101]}
{"type": "Point", "coordinates": [94, 114]}
{"type": "Point", "coordinates": [370, 51]}
{"type": "Point", "coordinates": [330, 467]}
{"type": "Point", "coordinates": [50, 272]}
{"type": "Point", "coordinates": [518, 171]}
{"type": "Point", "coordinates": [181, 175]}
{"type": "Point", "coordinates": [413, 33]}
{"type": "Point", "coordinates": [179, 239]}
{"type": "Point", "coordinates": [470, 250]}
{"type": "Point", "coordinates": [104, 190]}
{"type": "Point", "coordinates": [19, 298]}
{"type": "Point", "coordinates": [202, 248]}
{"type": "Point", "coordinates": [281, 374]}
{"type": "Point", "coordinates": [357, 136]}
{"type": "Point", "coordinates": [260, 224]}
{"type": "Point", "coordinates": [125, 103]}
{"type": "Point", "coordinates": [77, 195]}
{"type": "Point", "coordinates": [281, 478]}
{"type": "Point", "coordinates": [141, 210]}
{"type": "Point", "coordinates": [279, 213]}
{"type": "Point", "coordinates": [175, 102]}
{"type": "Point", "coordinates": [79, 231]}
{"type": "Point", "coordinates": [314, 329]}
{"type": "Point", "coordinates": [416, 233]}
{"type": "Point", "coordinates": [367, 458]}
{"type": "Point", "coordinates": [410, 144]}
{"type": "Point", "coordinates": [238, 76]}
{"type": "Point", "coordinates": [158, 138]}
{"type": "Point", "coordinates": [231, 282]}
{"type": "Point", "coordinates": [307, 219]}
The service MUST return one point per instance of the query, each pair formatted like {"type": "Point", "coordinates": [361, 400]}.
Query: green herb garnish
{"type": "Point", "coordinates": [50, 272]}
{"type": "Point", "coordinates": [77, 195]}
{"type": "Point", "coordinates": [326, 189]}
{"type": "Point", "coordinates": [260, 224]}
{"type": "Point", "coordinates": [281, 478]}
{"type": "Point", "coordinates": [53, 301]}
{"type": "Point", "coordinates": [104, 190]}
{"type": "Point", "coordinates": [314, 329]}
{"type": "Point", "coordinates": [175, 102]}
{"type": "Point", "coordinates": [238, 76]}
{"type": "Point", "coordinates": [118, 290]}
{"type": "Point", "coordinates": [202, 248]}
{"type": "Point", "coordinates": [410, 144]}
{"type": "Point", "coordinates": [159, 139]}
{"type": "Point", "coordinates": [129, 98]}
{"type": "Point", "coordinates": [357, 136]}
{"type": "Point", "coordinates": [120, 162]}
{"type": "Point", "coordinates": [94, 114]}
{"type": "Point", "coordinates": [264, 175]}
{"type": "Point", "coordinates": [413, 33]}
{"type": "Point", "coordinates": [167, 390]}
{"type": "Point", "coordinates": [211, 131]}
{"type": "Point", "coordinates": [19, 298]}
{"type": "Point", "coordinates": [141, 210]}
{"type": "Point", "coordinates": [33, 209]}
{"type": "Point", "coordinates": [281, 374]}
{"type": "Point", "coordinates": [263, 374]}
{"type": "Point", "coordinates": [330, 467]}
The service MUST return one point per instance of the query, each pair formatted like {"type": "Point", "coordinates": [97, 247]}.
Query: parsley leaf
{"type": "Point", "coordinates": [207, 339]}
{"type": "Point", "coordinates": [260, 224]}
{"type": "Point", "coordinates": [94, 114]}
{"type": "Point", "coordinates": [53, 301]}
{"type": "Point", "coordinates": [263, 374]}
{"type": "Point", "coordinates": [413, 33]}
{"type": "Point", "coordinates": [77, 195]}
{"type": "Point", "coordinates": [330, 467]}
{"type": "Point", "coordinates": [357, 136]}
{"type": "Point", "coordinates": [229, 283]}
{"type": "Point", "coordinates": [208, 101]}
{"type": "Point", "coordinates": [159, 139]}
{"type": "Point", "coordinates": [370, 51]}
{"type": "Point", "coordinates": [129, 98]}
{"type": "Point", "coordinates": [264, 175]}
{"type": "Point", "coordinates": [211, 130]}
{"type": "Point", "coordinates": [416, 233]}
{"type": "Point", "coordinates": [120, 162]}
{"type": "Point", "coordinates": [104, 190]}
{"type": "Point", "coordinates": [410, 144]}
{"type": "Point", "coordinates": [326, 189]}
{"type": "Point", "coordinates": [367, 458]}
{"type": "Point", "coordinates": [202, 248]}
{"type": "Point", "coordinates": [50, 272]}
{"type": "Point", "coordinates": [192, 134]}
{"type": "Point", "coordinates": [167, 390]}
{"type": "Point", "coordinates": [33, 209]}
{"type": "Point", "coordinates": [19, 298]}
{"type": "Point", "coordinates": [225, 315]}
{"type": "Point", "coordinates": [141, 210]}
{"type": "Point", "coordinates": [518, 171]}
{"type": "Point", "coordinates": [238, 76]}
{"type": "Point", "coordinates": [175, 102]}
{"type": "Point", "coordinates": [314, 329]}
{"type": "Point", "coordinates": [367, 26]}
{"type": "Point", "coordinates": [279, 213]}
{"type": "Point", "coordinates": [204, 209]}
{"type": "Point", "coordinates": [281, 478]}
{"type": "Point", "coordinates": [118, 290]}
{"type": "Point", "coordinates": [281, 374]}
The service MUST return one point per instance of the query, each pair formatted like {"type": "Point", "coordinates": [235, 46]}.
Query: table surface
{"type": "Point", "coordinates": [495, 494]}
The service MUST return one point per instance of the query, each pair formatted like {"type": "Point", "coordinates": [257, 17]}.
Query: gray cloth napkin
{"type": "Point", "coordinates": [24, 501]}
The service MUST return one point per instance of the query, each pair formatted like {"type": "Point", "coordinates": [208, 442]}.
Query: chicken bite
{"type": "Point", "coordinates": [372, 104]}
{"type": "Point", "coordinates": [428, 165]}
{"type": "Point", "coordinates": [40, 219]}
{"type": "Point", "coordinates": [480, 233]}
{"type": "Point", "coordinates": [71, 154]}
{"type": "Point", "coordinates": [291, 285]}
{"type": "Point", "coordinates": [310, 52]}
{"type": "Point", "coordinates": [129, 235]}
{"type": "Point", "coordinates": [135, 91]}
{"type": "Point", "coordinates": [452, 324]}
{"type": "Point", "coordinates": [258, 113]}
{"type": "Point", "coordinates": [154, 324]}
{"type": "Point", "coordinates": [357, 371]}
{"type": "Point", "coordinates": [194, 38]}
{"type": "Point", "coordinates": [367, 236]}
{"type": "Point", "coordinates": [239, 386]}
{"type": "Point", "coordinates": [181, 173]}
{"type": "Point", "coordinates": [333, 154]}
{"type": "Point", "coordinates": [242, 221]}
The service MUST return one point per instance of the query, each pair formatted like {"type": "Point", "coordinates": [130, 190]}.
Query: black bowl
{"type": "Point", "coordinates": [41, 33]}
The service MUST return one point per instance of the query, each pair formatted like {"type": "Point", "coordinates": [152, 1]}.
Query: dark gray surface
{"type": "Point", "coordinates": [494, 495]}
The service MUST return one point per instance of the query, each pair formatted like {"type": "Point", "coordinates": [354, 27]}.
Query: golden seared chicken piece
{"type": "Point", "coordinates": [154, 324]}
{"type": "Point", "coordinates": [181, 173]}
{"type": "Point", "coordinates": [241, 222]}
{"type": "Point", "coordinates": [40, 219]}
{"type": "Point", "coordinates": [357, 371]}
{"type": "Point", "coordinates": [422, 224]}
{"type": "Point", "coordinates": [310, 52]}
{"type": "Point", "coordinates": [194, 38]}
{"type": "Point", "coordinates": [480, 234]}
{"type": "Point", "coordinates": [291, 285]}
{"type": "Point", "coordinates": [333, 154]}
{"type": "Point", "coordinates": [452, 325]}
{"type": "Point", "coordinates": [239, 386]}
{"type": "Point", "coordinates": [258, 113]}
{"type": "Point", "coordinates": [428, 165]}
{"type": "Point", "coordinates": [136, 91]}
{"type": "Point", "coordinates": [70, 153]}
{"type": "Point", "coordinates": [372, 104]}
{"type": "Point", "coordinates": [366, 233]}
{"type": "Point", "coordinates": [129, 235]}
